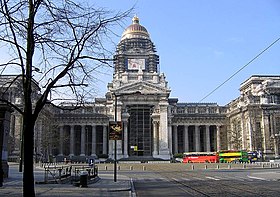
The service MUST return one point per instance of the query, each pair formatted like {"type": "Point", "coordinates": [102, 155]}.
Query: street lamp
{"type": "Point", "coordinates": [115, 151]}
{"type": "Point", "coordinates": [115, 140]}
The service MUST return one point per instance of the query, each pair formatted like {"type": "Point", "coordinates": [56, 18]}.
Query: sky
{"type": "Point", "coordinates": [202, 43]}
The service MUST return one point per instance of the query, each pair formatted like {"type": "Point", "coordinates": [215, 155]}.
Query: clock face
{"type": "Point", "coordinates": [136, 64]}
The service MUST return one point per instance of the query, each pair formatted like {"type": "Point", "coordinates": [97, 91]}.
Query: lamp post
{"type": "Point", "coordinates": [115, 140]}
{"type": "Point", "coordinates": [115, 151]}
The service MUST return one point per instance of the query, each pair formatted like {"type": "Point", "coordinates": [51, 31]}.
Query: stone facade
{"type": "Point", "coordinates": [254, 117]}
{"type": "Point", "coordinates": [156, 126]}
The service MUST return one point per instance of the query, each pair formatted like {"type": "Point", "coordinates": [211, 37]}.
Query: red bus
{"type": "Point", "coordinates": [201, 157]}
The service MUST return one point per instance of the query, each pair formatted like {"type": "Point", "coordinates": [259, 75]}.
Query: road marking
{"type": "Point", "coordinates": [212, 178]}
{"type": "Point", "coordinates": [258, 178]}
{"type": "Point", "coordinates": [197, 178]}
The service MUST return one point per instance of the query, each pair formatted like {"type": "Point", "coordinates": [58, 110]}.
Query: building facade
{"type": "Point", "coordinates": [254, 117]}
{"type": "Point", "coordinates": [156, 126]}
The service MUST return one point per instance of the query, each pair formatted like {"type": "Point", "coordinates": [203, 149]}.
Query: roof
{"type": "Point", "coordinates": [135, 30]}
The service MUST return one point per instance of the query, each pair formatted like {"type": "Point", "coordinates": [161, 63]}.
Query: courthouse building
{"type": "Point", "coordinates": [156, 126]}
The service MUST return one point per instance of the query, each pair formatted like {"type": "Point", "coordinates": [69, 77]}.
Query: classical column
{"type": "Point", "coordinates": [93, 140]}
{"type": "Point", "coordinates": [250, 136]}
{"type": "Point", "coordinates": [276, 145]}
{"type": "Point", "coordinates": [72, 136]}
{"type": "Point", "coordinates": [186, 138]}
{"type": "Point", "coordinates": [61, 138]}
{"type": "Point", "coordinates": [218, 138]}
{"type": "Point", "coordinates": [197, 138]}
{"type": "Point", "coordinates": [155, 141]}
{"type": "Point", "coordinates": [175, 133]}
{"type": "Point", "coordinates": [265, 124]}
{"type": "Point", "coordinates": [83, 140]}
{"type": "Point", "coordinates": [164, 152]}
{"type": "Point", "coordinates": [104, 147]}
{"type": "Point", "coordinates": [244, 132]}
{"type": "Point", "coordinates": [125, 117]}
{"type": "Point", "coordinates": [207, 135]}
{"type": "Point", "coordinates": [125, 139]}
{"type": "Point", "coordinates": [170, 141]}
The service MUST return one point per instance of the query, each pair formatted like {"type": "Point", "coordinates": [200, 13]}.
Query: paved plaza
{"type": "Point", "coordinates": [104, 186]}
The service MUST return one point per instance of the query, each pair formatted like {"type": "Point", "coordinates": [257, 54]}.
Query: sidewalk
{"type": "Point", "coordinates": [105, 186]}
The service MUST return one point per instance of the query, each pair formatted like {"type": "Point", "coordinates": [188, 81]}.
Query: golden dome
{"type": "Point", "coordinates": [135, 30]}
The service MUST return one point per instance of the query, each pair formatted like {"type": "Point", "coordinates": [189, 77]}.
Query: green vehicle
{"type": "Point", "coordinates": [231, 156]}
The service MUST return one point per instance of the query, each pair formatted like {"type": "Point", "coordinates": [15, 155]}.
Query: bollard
{"type": "Point", "coordinates": [192, 167]}
{"type": "Point", "coordinates": [144, 168]}
{"type": "Point", "coordinates": [218, 167]}
{"type": "Point", "coordinates": [270, 165]}
{"type": "Point", "coordinates": [229, 166]}
{"type": "Point", "coordinates": [244, 166]}
{"type": "Point", "coordinates": [131, 167]}
{"type": "Point", "coordinates": [262, 165]}
{"type": "Point", "coordinates": [205, 167]}
{"type": "Point", "coordinates": [59, 174]}
{"type": "Point", "coordinates": [106, 167]}
{"type": "Point", "coordinates": [119, 167]}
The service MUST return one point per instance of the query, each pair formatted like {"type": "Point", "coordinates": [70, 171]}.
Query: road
{"type": "Point", "coordinates": [208, 183]}
{"type": "Point", "coordinates": [180, 180]}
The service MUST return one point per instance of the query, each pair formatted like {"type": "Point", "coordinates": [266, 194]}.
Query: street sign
{"type": "Point", "coordinates": [115, 130]}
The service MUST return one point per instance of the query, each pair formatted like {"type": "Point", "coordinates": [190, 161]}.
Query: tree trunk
{"type": "Point", "coordinates": [28, 140]}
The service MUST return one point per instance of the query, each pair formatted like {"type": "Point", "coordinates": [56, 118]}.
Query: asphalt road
{"type": "Point", "coordinates": [196, 180]}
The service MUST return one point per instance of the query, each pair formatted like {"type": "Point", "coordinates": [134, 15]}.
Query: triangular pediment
{"type": "Point", "coordinates": [143, 87]}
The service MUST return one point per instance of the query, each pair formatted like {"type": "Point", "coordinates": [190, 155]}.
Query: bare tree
{"type": "Point", "coordinates": [236, 136]}
{"type": "Point", "coordinates": [58, 43]}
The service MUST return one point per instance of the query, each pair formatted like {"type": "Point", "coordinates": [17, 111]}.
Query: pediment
{"type": "Point", "coordinates": [143, 87]}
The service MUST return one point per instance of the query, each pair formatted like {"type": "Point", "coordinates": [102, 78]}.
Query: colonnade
{"type": "Point", "coordinates": [194, 138]}
{"type": "Point", "coordinates": [83, 131]}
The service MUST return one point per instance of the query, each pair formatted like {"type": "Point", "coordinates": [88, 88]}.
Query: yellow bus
{"type": "Point", "coordinates": [233, 156]}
